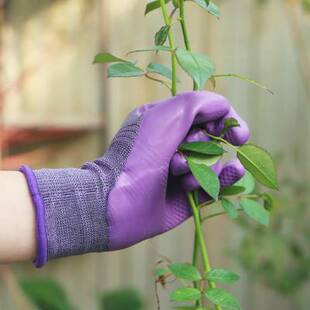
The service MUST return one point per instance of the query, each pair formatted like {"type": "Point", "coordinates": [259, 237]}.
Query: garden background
{"type": "Point", "coordinates": [59, 110]}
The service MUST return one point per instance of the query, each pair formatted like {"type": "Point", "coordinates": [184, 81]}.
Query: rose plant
{"type": "Point", "coordinates": [198, 287]}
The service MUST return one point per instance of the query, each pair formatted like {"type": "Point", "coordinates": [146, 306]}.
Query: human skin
{"type": "Point", "coordinates": [17, 219]}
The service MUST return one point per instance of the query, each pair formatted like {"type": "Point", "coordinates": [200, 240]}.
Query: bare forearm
{"type": "Point", "coordinates": [17, 219]}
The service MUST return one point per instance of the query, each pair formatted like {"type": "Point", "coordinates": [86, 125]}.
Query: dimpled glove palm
{"type": "Point", "coordinates": [136, 190]}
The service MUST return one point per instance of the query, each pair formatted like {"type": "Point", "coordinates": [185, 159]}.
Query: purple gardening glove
{"type": "Point", "coordinates": [137, 189]}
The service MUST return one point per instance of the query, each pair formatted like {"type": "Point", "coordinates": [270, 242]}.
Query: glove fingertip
{"type": "Point", "coordinates": [231, 173]}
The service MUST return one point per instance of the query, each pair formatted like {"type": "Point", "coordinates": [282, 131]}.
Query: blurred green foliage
{"type": "Point", "coordinates": [306, 4]}
{"type": "Point", "coordinates": [279, 257]}
{"type": "Point", "coordinates": [47, 294]}
{"type": "Point", "coordinates": [121, 299]}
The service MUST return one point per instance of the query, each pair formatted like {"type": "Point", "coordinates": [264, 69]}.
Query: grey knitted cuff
{"type": "Point", "coordinates": [71, 204]}
{"type": "Point", "coordinates": [75, 215]}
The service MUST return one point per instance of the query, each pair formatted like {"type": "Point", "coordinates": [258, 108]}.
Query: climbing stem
{"type": "Point", "coordinates": [201, 240]}
{"type": "Point", "coordinates": [215, 215]}
{"type": "Point", "coordinates": [195, 263]}
{"type": "Point", "coordinates": [183, 26]}
{"type": "Point", "coordinates": [196, 248]}
{"type": "Point", "coordinates": [185, 33]}
{"type": "Point", "coordinates": [242, 77]}
{"type": "Point", "coordinates": [172, 46]}
{"type": "Point", "coordinates": [157, 80]}
{"type": "Point", "coordinates": [196, 245]}
{"type": "Point", "coordinates": [222, 140]}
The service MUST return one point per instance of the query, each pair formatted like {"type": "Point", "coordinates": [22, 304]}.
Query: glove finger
{"type": "Point", "coordinates": [214, 107]}
{"type": "Point", "coordinates": [189, 182]}
{"type": "Point", "coordinates": [166, 124]}
{"type": "Point", "coordinates": [178, 165]}
{"type": "Point", "coordinates": [231, 172]}
{"type": "Point", "coordinates": [236, 135]}
{"type": "Point", "coordinates": [196, 135]}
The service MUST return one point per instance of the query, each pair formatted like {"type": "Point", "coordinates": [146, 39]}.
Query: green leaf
{"type": "Point", "coordinates": [206, 148]}
{"type": "Point", "coordinates": [232, 190]}
{"type": "Point", "coordinates": [45, 294]}
{"type": "Point", "coordinates": [159, 69]}
{"type": "Point", "coordinates": [207, 179]}
{"type": "Point", "coordinates": [151, 6]}
{"type": "Point", "coordinates": [107, 58]}
{"type": "Point", "coordinates": [185, 271]}
{"type": "Point", "coordinates": [209, 6]}
{"type": "Point", "coordinates": [162, 35]}
{"type": "Point", "coordinates": [125, 69]}
{"type": "Point", "coordinates": [268, 201]}
{"type": "Point", "coordinates": [199, 67]}
{"type": "Point", "coordinates": [255, 211]}
{"type": "Point", "coordinates": [202, 3]}
{"type": "Point", "coordinates": [259, 162]}
{"type": "Point", "coordinates": [230, 123]}
{"type": "Point", "coordinates": [222, 275]}
{"type": "Point", "coordinates": [160, 271]}
{"type": "Point", "coordinates": [185, 294]}
{"type": "Point", "coordinates": [248, 182]}
{"type": "Point", "coordinates": [120, 299]}
{"type": "Point", "coordinates": [229, 208]}
{"type": "Point", "coordinates": [222, 298]}
{"type": "Point", "coordinates": [208, 160]}
{"type": "Point", "coordinates": [158, 48]}
{"type": "Point", "coordinates": [214, 10]}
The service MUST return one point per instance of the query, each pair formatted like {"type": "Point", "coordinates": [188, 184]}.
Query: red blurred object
{"type": "Point", "coordinates": [19, 138]}
{"type": "Point", "coordinates": [33, 145]}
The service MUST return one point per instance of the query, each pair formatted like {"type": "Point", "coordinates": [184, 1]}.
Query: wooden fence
{"type": "Point", "coordinates": [266, 40]}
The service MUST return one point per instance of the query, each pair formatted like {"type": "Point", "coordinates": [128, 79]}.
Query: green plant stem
{"type": "Point", "coordinates": [183, 26]}
{"type": "Point", "coordinates": [251, 196]}
{"type": "Point", "coordinates": [205, 204]}
{"type": "Point", "coordinates": [172, 46]}
{"type": "Point", "coordinates": [216, 214]}
{"type": "Point", "coordinates": [195, 261]}
{"type": "Point", "coordinates": [222, 140]}
{"type": "Point", "coordinates": [195, 250]}
{"type": "Point", "coordinates": [245, 79]}
{"type": "Point", "coordinates": [198, 302]}
{"type": "Point", "coordinates": [196, 245]}
{"type": "Point", "coordinates": [157, 80]}
{"type": "Point", "coordinates": [195, 87]}
{"type": "Point", "coordinates": [185, 33]}
{"type": "Point", "coordinates": [201, 240]}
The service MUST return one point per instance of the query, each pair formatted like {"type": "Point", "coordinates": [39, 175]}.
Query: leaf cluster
{"type": "Point", "coordinates": [197, 66]}
{"type": "Point", "coordinates": [257, 161]}
{"type": "Point", "coordinates": [188, 274]}
{"type": "Point", "coordinates": [279, 257]}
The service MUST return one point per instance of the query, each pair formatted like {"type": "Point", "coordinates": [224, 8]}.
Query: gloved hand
{"type": "Point", "coordinates": [133, 192]}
